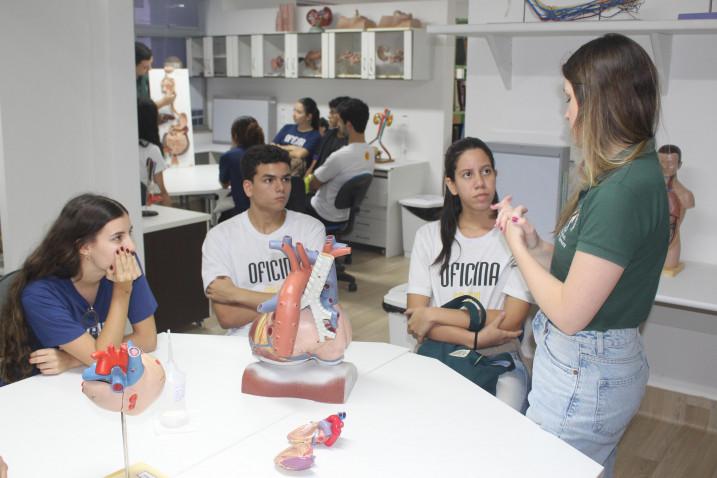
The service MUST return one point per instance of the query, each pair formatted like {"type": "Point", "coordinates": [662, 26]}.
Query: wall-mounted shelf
{"type": "Point", "coordinates": [500, 37]}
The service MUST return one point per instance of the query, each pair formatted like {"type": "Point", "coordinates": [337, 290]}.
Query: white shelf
{"type": "Point", "coordinates": [693, 287]}
{"type": "Point", "coordinates": [500, 37]}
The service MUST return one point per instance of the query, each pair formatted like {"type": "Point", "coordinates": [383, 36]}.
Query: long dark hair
{"type": "Point", "coordinates": [310, 108]}
{"type": "Point", "coordinates": [617, 90]}
{"type": "Point", "coordinates": [57, 255]}
{"type": "Point", "coordinates": [246, 132]}
{"type": "Point", "coordinates": [452, 203]}
{"type": "Point", "coordinates": [148, 121]}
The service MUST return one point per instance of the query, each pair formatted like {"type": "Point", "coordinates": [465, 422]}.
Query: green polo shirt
{"type": "Point", "coordinates": [624, 219]}
{"type": "Point", "coordinates": [143, 87]}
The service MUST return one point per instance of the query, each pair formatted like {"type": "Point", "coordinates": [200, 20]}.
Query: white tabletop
{"type": "Point", "coordinates": [170, 217]}
{"type": "Point", "coordinates": [695, 286]}
{"type": "Point", "coordinates": [198, 179]}
{"type": "Point", "coordinates": [407, 416]}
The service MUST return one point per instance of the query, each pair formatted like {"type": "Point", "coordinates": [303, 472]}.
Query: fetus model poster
{"type": "Point", "coordinates": [176, 132]}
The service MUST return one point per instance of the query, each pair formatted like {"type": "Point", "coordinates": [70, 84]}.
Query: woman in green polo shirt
{"type": "Point", "coordinates": [596, 285]}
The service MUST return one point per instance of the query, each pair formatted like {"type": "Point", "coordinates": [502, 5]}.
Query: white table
{"type": "Point", "coordinates": [198, 180]}
{"type": "Point", "coordinates": [407, 416]}
{"type": "Point", "coordinates": [170, 217]}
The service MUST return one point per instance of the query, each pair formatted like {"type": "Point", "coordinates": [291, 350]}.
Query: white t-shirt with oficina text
{"type": "Point", "coordinates": [481, 267]}
{"type": "Point", "coordinates": [235, 249]}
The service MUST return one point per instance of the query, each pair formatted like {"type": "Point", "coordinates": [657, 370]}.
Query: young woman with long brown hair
{"type": "Point", "coordinates": [75, 292]}
{"type": "Point", "coordinates": [590, 370]}
{"type": "Point", "coordinates": [463, 255]}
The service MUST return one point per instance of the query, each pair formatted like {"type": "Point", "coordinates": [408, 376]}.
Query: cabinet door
{"type": "Point", "coordinates": [368, 55]}
{"type": "Point", "coordinates": [257, 56]}
{"type": "Point", "coordinates": [244, 56]}
{"type": "Point", "coordinates": [219, 56]}
{"type": "Point", "coordinates": [273, 59]}
{"type": "Point", "coordinates": [195, 56]}
{"type": "Point", "coordinates": [208, 57]}
{"type": "Point", "coordinates": [418, 54]}
{"type": "Point", "coordinates": [310, 55]}
{"type": "Point", "coordinates": [232, 56]}
{"type": "Point", "coordinates": [345, 54]}
{"type": "Point", "coordinates": [291, 56]}
{"type": "Point", "coordinates": [326, 55]}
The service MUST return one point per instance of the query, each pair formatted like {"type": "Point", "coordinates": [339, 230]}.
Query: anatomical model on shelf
{"type": "Point", "coordinates": [303, 324]}
{"type": "Point", "coordinates": [357, 22]}
{"type": "Point", "coordinates": [399, 19]}
{"type": "Point", "coordinates": [680, 200]}
{"type": "Point", "coordinates": [383, 120]}
{"type": "Point", "coordinates": [277, 63]}
{"type": "Point", "coordinates": [388, 55]}
{"type": "Point", "coordinates": [319, 19]}
{"type": "Point", "coordinates": [312, 60]}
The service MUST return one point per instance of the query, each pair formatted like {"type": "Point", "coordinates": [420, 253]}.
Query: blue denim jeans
{"type": "Point", "coordinates": [512, 387]}
{"type": "Point", "coordinates": [587, 387]}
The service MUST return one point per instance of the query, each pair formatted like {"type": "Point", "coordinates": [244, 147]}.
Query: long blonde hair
{"type": "Point", "coordinates": [616, 88]}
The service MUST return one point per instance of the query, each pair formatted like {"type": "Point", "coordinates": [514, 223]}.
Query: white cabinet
{"type": "Point", "coordinates": [394, 53]}
{"type": "Point", "coordinates": [268, 55]}
{"type": "Point", "coordinates": [195, 56]}
{"type": "Point", "coordinates": [239, 60]}
{"type": "Point", "coordinates": [397, 54]}
{"type": "Point", "coordinates": [378, 223]}
{"type": "Point", "coordinates": [307, 55]}
{"type": "Point", "coordinates": [346, 59]}
{"type": "Point", "coordinates": [215, 56]}
{"type": "Point", "coordinates": [374, 54]}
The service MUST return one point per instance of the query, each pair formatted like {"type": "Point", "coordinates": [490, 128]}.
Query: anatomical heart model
{"type": "Point", "coordinates": [301, 337]}
{"type": "Point", "coordinates": [176, 134]}
{"type": "Point", "coordinates": [127, 381]}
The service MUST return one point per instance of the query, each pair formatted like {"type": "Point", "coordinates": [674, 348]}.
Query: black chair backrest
{"type": "Point", "coordinates": [350, 196]}
{"type": "Point", "coordinates": [297, 198]}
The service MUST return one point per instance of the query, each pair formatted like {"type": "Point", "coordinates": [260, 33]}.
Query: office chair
{"type": "Point", "coordinates": [349, 197]}
{"type": "Point", "coordinates": [297, 198]}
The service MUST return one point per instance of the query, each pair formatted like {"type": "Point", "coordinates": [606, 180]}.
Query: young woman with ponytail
{"type": "Point", "coordinates": [246, 133]}
{"type": "Point", "coordinates": [590, 370]}
{"type": "Point", "coordinates": [75, 292]}
{"type": "Point", "coordinates": [302, 138]}
{"type": "Point", "coordinates": [464, 255]}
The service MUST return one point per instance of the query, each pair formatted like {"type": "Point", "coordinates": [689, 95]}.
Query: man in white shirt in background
{"type": "Point", "coordinates": [239, 270]}
{"type": "Point", "coordinates": [356, 158]}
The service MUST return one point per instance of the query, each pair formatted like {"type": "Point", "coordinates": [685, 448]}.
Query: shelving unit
{"type": "Point", "coordinates": [500, 37]}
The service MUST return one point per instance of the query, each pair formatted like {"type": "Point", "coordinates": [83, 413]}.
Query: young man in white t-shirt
{"type": "Point", "coordinates": [239, 270]}
{"type": "Point", "coordinates": [354, 159]}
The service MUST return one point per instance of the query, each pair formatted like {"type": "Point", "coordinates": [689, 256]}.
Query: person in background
{"type": "Point", "coordinates": [323, 126]}
{"type": "Point", "coordinates": [334, 139]}
{"type": "Point", "coordinates": [142, 65]}
{"type": "Point", "coordinates": [75, 292]}
{"type": "Point", "coordinates": [352, 160]}
{"type": "Point", "coordinates": [596, 285]}
{"type": "Point", "coordinates": [301, 138]}
{"type": "Point", "coordinates": [150, 151]}
{"type": "Point", "coordinates": [245, 133]}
